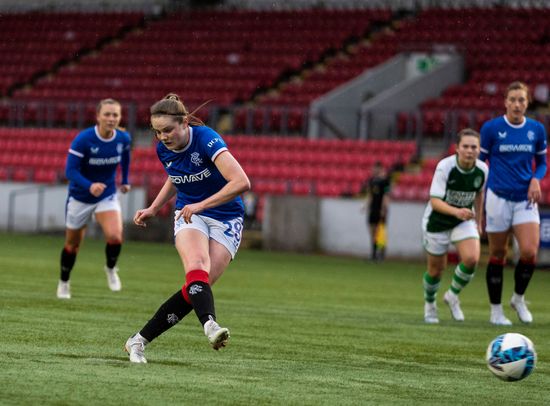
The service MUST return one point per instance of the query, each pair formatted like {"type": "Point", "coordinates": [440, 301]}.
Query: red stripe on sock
{"type": "Point", "coordinates": [196, 275]}
{"type": "Point", "coordinates": [527, 261]}
{"type": "Point", "coordinates": [497, 261]}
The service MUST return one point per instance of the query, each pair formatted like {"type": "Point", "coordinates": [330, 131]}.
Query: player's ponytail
{"type": "Point", "coordinates": [171, 105]}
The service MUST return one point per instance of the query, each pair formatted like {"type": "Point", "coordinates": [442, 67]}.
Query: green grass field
{"type": "Point", "coordinates": [305, 330]}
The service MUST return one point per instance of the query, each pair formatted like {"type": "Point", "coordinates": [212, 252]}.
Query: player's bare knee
{"type": "Point", "coordinates": [528, 255]}
{"type": "Point", "coordinates": [72, 248]}
{"type": "Point", "coordinates": [470, 261]}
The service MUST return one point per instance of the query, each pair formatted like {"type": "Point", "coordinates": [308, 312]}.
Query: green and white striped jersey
{"type": "Point", "coordinates": [457, 187]}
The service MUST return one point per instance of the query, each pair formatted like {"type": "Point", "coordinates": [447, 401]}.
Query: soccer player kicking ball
{"type": "Point", "coordinates": [207, 181]}
{"type": "Point", "coordinates": [453, 215]}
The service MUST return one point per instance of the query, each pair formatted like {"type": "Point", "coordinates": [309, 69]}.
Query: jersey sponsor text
{"type": "Point", "coordinates": [515, 148]}
{"type": "Point", "coordinates": [460, 198]}
{"type": "Point", "coordinates": [197, 177]}
{"type": "Point", "coordinates": [105, 161]}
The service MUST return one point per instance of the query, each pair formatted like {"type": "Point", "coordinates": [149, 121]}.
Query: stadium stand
{"type": "Point", "coordinates": [276, 165]}
{"type": "Point", "coordinates": [265, 67]}
{"type": "Point", "coordinates": [481, 34]}
{"type": "Point", "coordinates": [228, 60]}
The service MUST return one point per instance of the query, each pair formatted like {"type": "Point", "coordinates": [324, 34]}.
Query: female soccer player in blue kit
{"type": "Point", "coordinates": [207, 181]}
{"type": "Point", "coordinates": [91, 167]}
{"type": "Point", "coordinates": [510, 143]}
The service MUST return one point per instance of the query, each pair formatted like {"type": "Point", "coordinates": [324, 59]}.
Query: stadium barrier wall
{"type": "Point", "coordinates": [339, 226]}
{"type": "Point", "coordinates": [29, 207]}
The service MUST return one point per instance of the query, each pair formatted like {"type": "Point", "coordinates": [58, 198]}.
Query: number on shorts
{"type": "Point", "coordinates": [233, 230]}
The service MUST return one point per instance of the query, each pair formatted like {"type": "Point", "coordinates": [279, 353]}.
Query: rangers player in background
{"type": "Point", "coordinates": [93, 158]}
{"type": "Point", "coordinates": [511, 143]}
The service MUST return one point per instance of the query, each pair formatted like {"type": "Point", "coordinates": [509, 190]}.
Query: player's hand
{"type": "Point", "coordinates": [188, 211]}
{"type": "Point", "coordinates": [142, 216]}
{"type": "Point", "coordinates": [464, 214]}
{"type": "Point", "coordinates": [534, 194]}
{"type": "Point", "coordinates": [96, 189]}
{"type": "Point", "coordinates": [125, 188]}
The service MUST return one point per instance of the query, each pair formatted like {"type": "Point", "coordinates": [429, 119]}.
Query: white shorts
{"type": "Point", "coordinates": [501, 214]}
{"type": "Point", "coordinates": [228, 233]}
{"type": "Point", "coordinates": [438, 243]}
{"type": "Point", "coordinates": [77, 213]}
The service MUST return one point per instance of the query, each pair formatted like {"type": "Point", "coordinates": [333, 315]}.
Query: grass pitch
{"type": "Point", "coordinates": [305, 330]}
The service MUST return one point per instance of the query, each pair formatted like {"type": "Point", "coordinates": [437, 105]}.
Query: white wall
{"type": "Point", "coordinates": [25, 199]}
{"type": "Point", "coordinates": [343, 228]}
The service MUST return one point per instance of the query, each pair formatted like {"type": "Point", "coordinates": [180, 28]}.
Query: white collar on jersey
{"type": "Point", "coordinates": [515, 125]}
{"type": "Point", "coordinates": [96, 129]}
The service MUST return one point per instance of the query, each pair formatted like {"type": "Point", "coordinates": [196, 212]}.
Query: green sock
{"type": "Point", "coordinates": [461, 278]}
{"type": "Point", "coordinates": [431, 285]}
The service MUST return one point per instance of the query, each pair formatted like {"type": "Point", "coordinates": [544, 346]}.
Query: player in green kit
{"type": "Point", "coordinates": [453, 215]}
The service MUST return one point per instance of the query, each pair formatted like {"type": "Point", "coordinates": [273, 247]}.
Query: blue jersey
{"type": "Point", "coordinates": [510, 150]}
{"type": "Point", "coordinates": [94, 159]}
{"type": "Point", "coordinates": [194, 174]}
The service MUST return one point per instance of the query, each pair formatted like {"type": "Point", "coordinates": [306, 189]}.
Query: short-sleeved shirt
{"type": "Point", "coordinates": [455, 186]}
{"type": "Point", "coordinates": [193, 172]}
{"type": "Point", "coordinates": [99, 158]}
{"type": "Point", "coordinates": [510, 150]}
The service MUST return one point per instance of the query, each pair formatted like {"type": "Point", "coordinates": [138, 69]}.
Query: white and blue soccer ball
{"type": "Point", "coordinates": [511, 357]}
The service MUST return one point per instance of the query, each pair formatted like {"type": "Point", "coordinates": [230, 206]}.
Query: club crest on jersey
{"type": "Point", "coordinates": [502, 135]}
{"type": "Point", "coordinates": [119, 148]}
{"type": "Point", "coordinates": [196, 159]}
{"type": "Point", "coordinates": [530, 135]}
{"type": "Point", "coordinates": [94, 150]}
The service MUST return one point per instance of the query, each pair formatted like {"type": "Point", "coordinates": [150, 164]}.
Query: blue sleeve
{"type": "Point", "coordinates": [540, 157]}
{"type": "Point", "coordinates": [125, 164]}
{"type": "Point", "coordinates": [212, 143]}
{"type": "Point", "coordinates": [72, 172]}
{"type": "Point", "coordinates": [486, 142]}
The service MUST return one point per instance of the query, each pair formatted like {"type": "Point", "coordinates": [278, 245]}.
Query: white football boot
{"type": "Point", "coordinates": [135, 346]}
{"type": "Point", "coordinates": [519, 305]}
{"type": "Point", "coordinates": [451, 299]}
{"type": "Point", "coordinates": [497, 316]}
{"type": "Point", "coordinates": [430, 313]}
{"type": "Point", "coordinates": [112, 278]}
{"type": "Point", "coordinates": [217, 336]}
{"type": "Point", "coordinates": [64, 290]}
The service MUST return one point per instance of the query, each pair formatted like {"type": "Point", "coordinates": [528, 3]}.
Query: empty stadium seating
{"type": "Point", "coordinates": [39, 41]}
{"type": "Point", "coordinates": [494, 55]}
{"type": "Point", "coordinates": [276, 165]}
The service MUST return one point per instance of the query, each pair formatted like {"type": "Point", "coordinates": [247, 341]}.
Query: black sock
{"type": "Point", "coordinates": [522, 276]}
{"type": "Point", "coordinates": [494, 281]}
{"type": "Point", "coordinates": [112, 251]}
{"type": "Point", "coordinates": [202, 298]}
{"type": "Point", "coordinates": [67, 262]}
{"type": "Point", "coordinates": [374, 249]}
{"type": "Point", "coordinates": [167, 316]}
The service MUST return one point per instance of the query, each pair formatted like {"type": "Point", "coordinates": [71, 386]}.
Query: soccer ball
{"type": "Point", "coordinates": [511, 357]}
